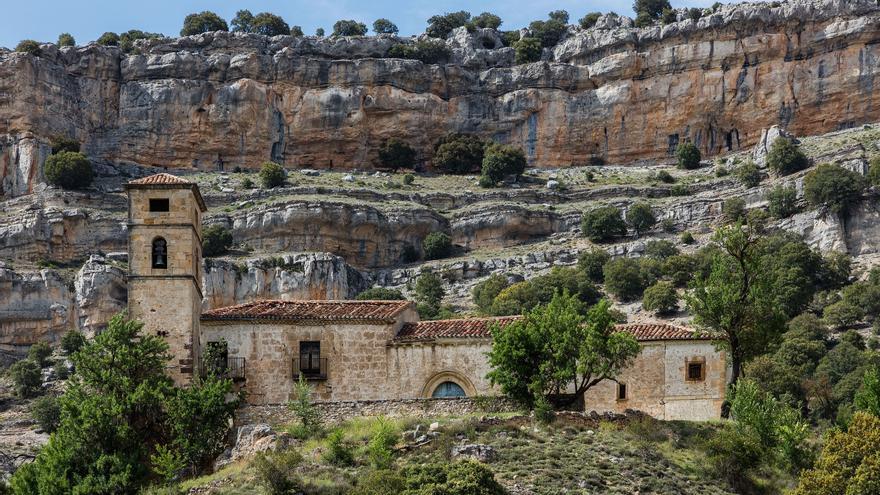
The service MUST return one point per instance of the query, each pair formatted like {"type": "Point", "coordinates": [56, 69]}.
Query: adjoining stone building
{"type": "Point", "coordinates": [362, 350]}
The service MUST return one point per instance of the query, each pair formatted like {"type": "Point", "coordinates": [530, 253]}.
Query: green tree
{"type": "Point", "coordinates": [459, 153]}
{"type": "Point", "coordinates": [47, 413]}
{"type": "Point", "coordinates": [216, 240]}
{"type": "Point", "coordinates": [380, 294]}
{"type": "Point", "coordinates": [269, 24]}
{"type": "Point", "coordinates": [748, 174]}
{"type": "Point", "coordinates": [395, 153]}
{"type": "Point", "coordinates": [591, 262]}
{"type": "Point", "coordinates": [527, 50]}
{"type": "Point", "coordinates": [243, 22]}
{"type": "Point", "coordinates": [429, 289]}
{"type": "Point", "coordinates": [653, 8]}
{"type": "Point", "coordinates": [347, 27]}
{"type": "Point", "coordinates": [603, 224]}
{"type": "Point", "coordinates": [39, 353]}
{"type": "Point", "coordinates": [384, 26]}
{"type": "Point", "coordinates": [641, 217]}
{"type": "Point", "coordinates": [782, 201]}
{"type": "Point", "coordinates": [501, 160]}
{"type": "Point", "coordinates": [679, 269]}
{"type": "Point", "coordinates": [272, 175]}
{"type": "Point", "coordinates": [834, 187]}
{"type": "Point", "coordinates": [669, 16]}
{"type": "Point", "coordinates": [551, 30]}
{"type": "Point", "coordinates": [127, 39]}
{"type": "Point", "coordinates": [72, 341]}
{"type": "Point", "coordinates": [66, 39]}
{"type": "Point", "coordinates": [304, 409]}
{"type": "Point", "coordinates": [197, 420]}
{"type": "Point", "coordinates": [733, 301]}
{"type": "Point", "coordinates": [276, 472]}
{"type": "Point", "coordinates": [26, 378]}
{"type": "Point", "coordinates": [69, 170]}
{"type": "Point", "coordinates": [108, 39]}
{"type": "Point", "coordinates": [486, 20]}
{"type": "Point", "coordinates": [555, 349]}
{"type": "Point", "coordinates": [660, 250]}
{"type": "Point", "coordinates": [688, 155]}
{"type": "Point", "coordinates": [661, 298]}
{"type": "Point", "coordinates": [203, 22]}
{"type": "Point", "coordinates": [319, 32]}
{"type": "Point", "coordinates": [427, 51]}
{"type": "Point", "coordinates": [437, 245]}
{"type": "Point", "coordinates": [485, 292]}
{"type": "Point", "coordinates": [624, 279]}
{"type": "Point", "coordinates": [589, 20]}
{"type": "Point", "coordinates": [439, 26]}
{"type": "Point", "coordinates": [296, 31]}
{"type": "Point", "coordinates": [868, 397]}
{"type": "Point", "coordinates": [734, 210]}
{"type": "Point", "coordinates": [785, 157]}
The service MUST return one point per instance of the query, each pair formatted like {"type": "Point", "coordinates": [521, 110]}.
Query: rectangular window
{"type": "Point", "coordinates": [310, 357]}
{"type": "Point", "coordinates": [696, 371]}
{"type": "Point", "coordinates": [159, 204]}
{"type": "Point", "coordinates": [621, 391]}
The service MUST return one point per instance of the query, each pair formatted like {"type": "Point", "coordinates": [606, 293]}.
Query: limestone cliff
{"type": "Point", "coordinates": [615, 92]}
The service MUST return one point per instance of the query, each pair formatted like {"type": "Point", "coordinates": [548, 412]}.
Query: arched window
{"type": "Point", "coordinates": [160, 253]}
{"type": "Point", "coordinates": [448, 389]}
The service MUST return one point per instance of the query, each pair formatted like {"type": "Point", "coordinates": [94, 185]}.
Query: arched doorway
{"type": "Point", "coordinates": [448, 389]}
{"type": "Point", "coordinates": [446, 384]}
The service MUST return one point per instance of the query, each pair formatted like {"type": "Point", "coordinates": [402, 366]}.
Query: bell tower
{"type": "Point", "coordinates": [164, 265]}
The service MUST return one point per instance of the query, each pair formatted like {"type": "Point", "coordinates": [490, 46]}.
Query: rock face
{"type": "Point", "coordinates": [615, 92]}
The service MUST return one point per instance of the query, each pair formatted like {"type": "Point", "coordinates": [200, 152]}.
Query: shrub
{"type": "Point", "coordinates": [687, 238]}
{"type": "Point", "coordinates": [69, 170]}
{"type": "Point", "coordinates": [665, 177]}
{"type": "Point", "coordinates": [47, 413]}
{"type": "Point", "coordinates": [338, 453]}
{"type": "Point", "coordinates": [384, 26]}
{"type": "Point", "coordinates": [501, 160]}
{"type": "Point", "coordinates": [380, 294]}
{"type": "Point", "coordinates": [216, 241]}
{"type": "Point", "coordinates": [305, 411]}
{"type": "Point", "coordinates": [733, 210]}
{"type": "Point", "coordinates": [679, 269]}
{"type": "Point", "coordinates": [589, 20]}
{"type": "Point", "coordinates": [551, 30]}
{"type": "Point", "coordinates": [842, 314]}
{"type": "Point", "coordinates": [464, 477]}
{"type": "Point", "coordinates": [661, 298]}
{"type": "Point", "coordinates": [623, 279]}
{"type": "Point", "coordinates": [349, 27]}
{"type": "Point", "coordinates": [72, 341]}
{"type": "Point", "coordinates": [30, 47]}
{"type": "Point", "coordinates": [271, 175]}
{"type": "Point", "coordinates": [782, 201]}
{"type": "Point", "coordinates": [127, 39]}
{"type": "Point", "coordinates": [61, 143]}
{"type": "Point", "coordinates": [437, 245]}
{"type": "Point", "coordinates": [592, 262]}
{"type": "Point", "coordinates": [641, 217]}
{"type": "Point", "coordinates": [695, 13]}
{"type": "Point", "coordinates": [660, 249]}
{"type": "Point", "coordinates": [688, 156]}
{"type": "Point", "coordinates": [319, 32]}
{"type": "Point", "coordinates": [748, 174]}
{"type": "Point", "coordinates": [429, 51]}
{"type": "Point", "coordinates": [429, 289]}
{"type": "Point", "coordinates": [785, 157]}
{"type": "Point", "coordinates": [203, 22]}
{"type": "Point", "coordinates": [834, 187]}
{"type": "Point", "coordinates": [487, 20]}
{"type": "Point", "coordinates": [680, 190]}
{"type": "Point", "coordinates": [508, 38]}
{"type": "Point", "coordinates": [439, 26]}
{"type": "Point", "coordinates": [39, 353]}
{"type": "Point", "coordinates": [26, 378]}
{"type": "Point", "coordinates": [296, 31]}
{"type": "Point", "coordinates": [380, 444]}
{"type": "Point", "coordinates": [276, 472]}
{"type": "Point", "coordinates": [484, 293]}
{"type": "Point", "coordinates": [527, 50]}
{"type": "Point", "coordinates": [247, 183]}
{"type": "Point", "coordinates": [408, 179]}
{"type": "Point", "coordinates": [603, 224]}
{"type": "Point", "coordinates": [66, 39]}
{"type": "Point", "coordinates": [459, 153]}
{"type": "Point", "coordinates": [643, 19]}
{"type": "Point", "coordinates": [653, 8]}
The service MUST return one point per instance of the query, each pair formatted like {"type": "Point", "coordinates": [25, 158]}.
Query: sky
{"type": "Point", "coordinates": [86, 19]}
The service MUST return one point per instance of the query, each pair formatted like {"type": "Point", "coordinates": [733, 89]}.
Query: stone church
{"type": "Point", "coordinates": [361, 350]}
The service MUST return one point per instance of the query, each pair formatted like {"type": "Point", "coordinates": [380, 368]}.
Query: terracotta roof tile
{"type": "Point", "coordinates": [462, 328]}
{"type": "Point", "coordinates": [661, 331]}
{"type": "Point", "coordinates": [162, 178]}
{"type": "Point", "coordinates": [309, 310]}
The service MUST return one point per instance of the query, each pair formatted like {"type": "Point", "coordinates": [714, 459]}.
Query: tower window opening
{"type": "Point", "coordinates": [160, 253]}
{"type": "Point", "coordinates": [159, 204]}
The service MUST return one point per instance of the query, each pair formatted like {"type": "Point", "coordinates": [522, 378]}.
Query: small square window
{"type": "Point", "coordinates": [696, 371]}
{"type": "Point", "coordinates": [621, 391]}
{"type": "Point", "coordinates": [159, 204]}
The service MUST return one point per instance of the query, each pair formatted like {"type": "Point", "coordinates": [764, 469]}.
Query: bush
{"type": "Point", "coordinates": [661, 298]}
{"type": "Point", "coordinates": [452, 478]}
{"type": "Point", "coordinates": [592, 262]}
{"type": "Point", "coordinates": [688, 156]}
{"type": "Point", "coordinates": [247, 183]}
{"type": "Point", "coordinates": [127, 39]}
{"type": "Point", "coordinates": [501, 160]}
{"type": "Point", "coordinates": [551, 30]}
{"type": "Point", "coordinates": [430, 51]}
{"type": "Point", "coordinates": [66, 39]}
{"type": "Point", "coordinates": [349, 27]}
{"type": "Point", "coordinates": [485, 292]}
{"type": "Point", "coordinates": [276, 472]}
{"type": "Point", "coordinates": [695, 14]}
{"type": "Point", "coordinates": [641, 217]}
{"type": "Point", "coordinates": [26, 378]}
{"type": "Point", "coordinates": [69, 170]}
{"type": "Point", "coordinates": [834, 187]}
{"type": "Point", "coordinates": [429, 289]}
{"type": "Point", "coordinates": [339, 452]}
{"type": "Point", "coordinates": [216, 241]}
{"type": "Point", "coordinates": [459, 153]}
{"type": "Point", "coordinates": [408, 179]}
{"type": "Point", "coordinates": [660, 249]}
{"type": "Point", "coordinates": [72, 341]}
{"type": "Point", "coordinates": [380, 294]}
{"type": "Point", "coordinates": [782, 201]}
{"type": "Point", "coordinates": [687, 238]}
{"type": "Point", "coordinates": [785, 157]}
{"type": "Point", "coordinates": [842, 314]}
{"type": "Point", "coordinates": [296, 31]}
{"type": "Point", "coordinates": [527, 50]}
{"type": "Point", "coordinates": [271, 175]}
{"type": "Point", "coordinates": [29, 46]}
{"type": "Point", "coordinates": [381, 443]}
{"type": "Point", "coordinates": [487, 20]}
{"type": "Point", "coordinates": [734, 210]}
{"type": "Point", "coordinates": [679, 269]}
{"type": "Point", "coordinates": [680, 190]}
{"type": "Point", "coordinates": [508, 38]}
{"type": "Point", "coordinates": [653, 8]}
{"type": "Point", "coordinates": [439, 26]}
{"type": "Point", "coordinates": [39, 353]}
{"type": "Point", "coordinates": [668, 16]}
{"type": "Point", "coordinates": [305, 411]}
{"type": "Point", "coordinates": [61, 143]}
{"type": "Point", "coordinates": [47, 413]}
{"type": "Point", "coordinates": [437, 245]}
{"type": "Point", "coordinates": [643, 19]}
{"type": "Point", "coordinates": [665, 177]}
{"type": "Point", "coordinates": [203, 22]}
{"type": "Point", "coordinates": [623, 279]}
{"type": "Point", "coordinates": [319, 32]}
{"type": "Point", "coordinates": [603, 224]}
{"type": "Point", "coordinates": [589, 20]}
{"type": "Point", "coordinates": [748, 174]}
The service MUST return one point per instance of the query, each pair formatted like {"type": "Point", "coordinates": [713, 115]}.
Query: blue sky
{"type": "Point", "coordinates": [86, 19]}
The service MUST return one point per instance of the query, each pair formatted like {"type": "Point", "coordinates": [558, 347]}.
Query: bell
{"type": "Point", "coordinates": [160, 260]}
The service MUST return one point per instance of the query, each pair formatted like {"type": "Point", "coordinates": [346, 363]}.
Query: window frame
{"type": "Point", "coordinates": [701, 362]}
{"type": "Point", "coordinates": [159, 203]}
{"type": "Point", "coordinates": [621, 387]}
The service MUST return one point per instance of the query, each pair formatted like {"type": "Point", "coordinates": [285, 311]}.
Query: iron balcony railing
{"type": "Point", "coordinates": [310, 367]}
{"type": "Point", "coordinates": [234, 368]}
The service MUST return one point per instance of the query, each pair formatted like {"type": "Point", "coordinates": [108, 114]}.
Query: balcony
{"type": "Point", "coordinates": [310, 367]}
{"type": "Point", "coordinates": [233, 368]}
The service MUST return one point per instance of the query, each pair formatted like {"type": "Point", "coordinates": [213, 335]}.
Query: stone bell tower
{"type": "Point", "coordinates": [164, 265]}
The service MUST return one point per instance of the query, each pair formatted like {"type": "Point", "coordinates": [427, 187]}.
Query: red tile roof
{"type": "Point", "coordinates": [164, 181]}
{"type": "Point", "coordinates": [309, 310]}
{"type": "Point", "coordinates": [162, 178]}
{"type": "Point", "coordinates": [462, 328]}
{"type": "Point", "coordinates": [661, 331]}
